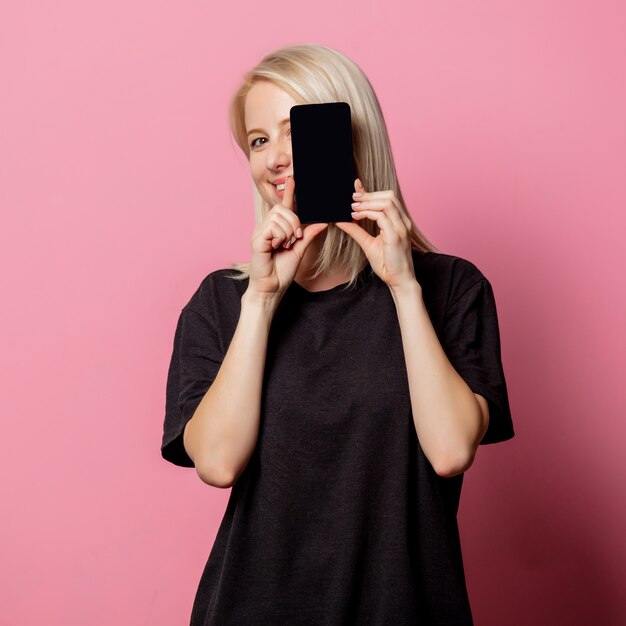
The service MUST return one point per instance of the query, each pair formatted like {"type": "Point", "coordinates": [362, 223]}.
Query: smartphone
{"type": "Point", "coordinates": [323, 163]}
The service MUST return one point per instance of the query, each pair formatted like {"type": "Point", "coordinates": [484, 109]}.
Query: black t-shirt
{"type": "Point", "coordinates": [338, 518]}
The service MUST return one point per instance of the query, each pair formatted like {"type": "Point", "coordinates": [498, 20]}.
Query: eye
{"type": "Point", "coordinates": [253, 144]}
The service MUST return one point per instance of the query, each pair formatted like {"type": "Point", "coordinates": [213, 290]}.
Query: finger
{"type": "Point", "coordinates": [388, 208]}
{"type": "Point", "coordinates": [387, 229]}
{"type": "Point", "coordinates": [290, 216]}
{"type": "Point", "coordinates": [360, 235]}
{"type": "Point", "coordinates": [285, 224]}
{"type": "Point", "coordinates": [290, 187]}
{"type": "Point", "coordinates": [375, 204]}
{"type": "Point", "coordinates": [361, 195]}
{"type": "Point", "coordinates": [275, 234]}
{"type": "Point", "coordinates": [367, 195]}
{"type": "Point", "coordinates": [308, 234]}
{"type": "Point", "coordinates": [406, 220]}
{"type": "Point", "coordinates": [402, 212]}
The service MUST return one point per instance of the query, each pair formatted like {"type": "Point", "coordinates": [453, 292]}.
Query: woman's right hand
{"type": "Point", "coordinates": [274, 262]}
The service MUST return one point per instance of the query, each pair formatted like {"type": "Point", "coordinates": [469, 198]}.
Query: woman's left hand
{"type": "Point", "coordinates": [389, 253]}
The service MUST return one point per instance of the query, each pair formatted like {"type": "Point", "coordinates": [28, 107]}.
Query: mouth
{"type": "Point", "coordinates": [280, 189]}
{"type": "Point", "coordinates": [279, 183]}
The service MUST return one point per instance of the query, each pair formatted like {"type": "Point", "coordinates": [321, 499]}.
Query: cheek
{"type": "Point", "coordinates": [256, 171]}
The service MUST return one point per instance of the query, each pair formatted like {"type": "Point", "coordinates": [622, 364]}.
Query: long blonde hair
{"type": "Point", "coordinates": [314, 74]}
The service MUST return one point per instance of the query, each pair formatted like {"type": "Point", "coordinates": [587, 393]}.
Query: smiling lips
{"type": "Point", "coordinates": [279, 183]}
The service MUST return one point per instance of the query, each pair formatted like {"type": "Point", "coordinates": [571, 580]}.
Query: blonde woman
{"type": "Point", "coordinates": [340, 382]}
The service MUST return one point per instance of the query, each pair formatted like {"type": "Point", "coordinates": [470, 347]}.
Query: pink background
{"type": "Point", "coordinates": [121, 189]}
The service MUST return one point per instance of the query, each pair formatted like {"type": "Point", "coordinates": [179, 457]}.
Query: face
{"type": "Point", "coordinates": [269, 138]}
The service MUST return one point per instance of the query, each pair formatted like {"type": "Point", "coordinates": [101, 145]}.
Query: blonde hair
{"type": "Point", "coordinates": [314, 74]}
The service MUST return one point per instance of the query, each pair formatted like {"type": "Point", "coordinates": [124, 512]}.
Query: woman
{"type": "Point", "coordinates": [340, 382]}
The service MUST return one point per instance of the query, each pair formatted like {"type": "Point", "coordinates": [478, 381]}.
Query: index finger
{"type": "Point", "coordinates": [290, 187]}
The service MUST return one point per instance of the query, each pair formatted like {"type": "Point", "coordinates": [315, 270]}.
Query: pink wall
{"type": "Point", "coordinates": [120, 190]}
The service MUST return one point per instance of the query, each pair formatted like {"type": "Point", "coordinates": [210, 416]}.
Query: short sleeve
{"type": "Point", "coordinates": [196, 359]}
{"type": "Point", "coordinates": [472, 344]}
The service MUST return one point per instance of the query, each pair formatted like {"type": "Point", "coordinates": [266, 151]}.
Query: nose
{"type": "Point", "coordinates": [279, 154]}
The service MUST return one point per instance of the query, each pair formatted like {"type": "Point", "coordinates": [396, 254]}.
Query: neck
{"type": "Point", "coordinates": [305, 269]}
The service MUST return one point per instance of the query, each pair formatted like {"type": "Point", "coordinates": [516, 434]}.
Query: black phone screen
{"type": "Point", "coordinates": [323, 166]}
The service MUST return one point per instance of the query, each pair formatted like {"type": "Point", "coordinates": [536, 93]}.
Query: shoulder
{"type": "Point", "coordinates": [439, 265]}
{"type": "Point", "coordinates": [217, 292]}
{"type": "Point", "coordinates": [446, 275]}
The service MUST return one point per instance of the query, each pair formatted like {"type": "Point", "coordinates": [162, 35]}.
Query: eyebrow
{"type": "Point", "coordinates": [260, 130]}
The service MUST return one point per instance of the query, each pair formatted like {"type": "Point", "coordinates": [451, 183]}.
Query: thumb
{"type": "Point", "coordinates": [358, 233]}
{"type": "Point", "coordinates": [308, 234]}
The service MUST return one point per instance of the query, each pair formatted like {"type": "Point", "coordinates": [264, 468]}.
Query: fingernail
{"type": "Point", "coordinates": [299, 232]}
{"type": "Point", "coordinates": [356, 204]}
{"type": "Point", "coordinates": [356, 194]}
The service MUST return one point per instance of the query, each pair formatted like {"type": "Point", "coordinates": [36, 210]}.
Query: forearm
{"type": "Point", "coordinates": [447, 416]}
{"type": "Point", "coordinates": [222, 434]}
